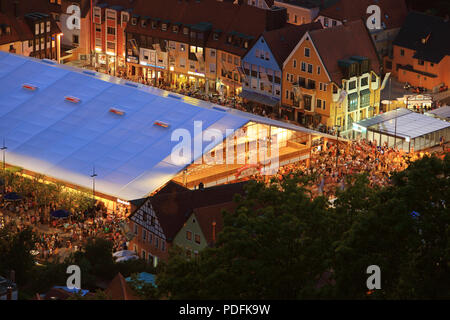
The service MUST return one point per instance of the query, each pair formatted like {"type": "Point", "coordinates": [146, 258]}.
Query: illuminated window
{"type": "Point", "coordinates": [197, 238]}
{"type": "Point", "coordinates": [188, 235]}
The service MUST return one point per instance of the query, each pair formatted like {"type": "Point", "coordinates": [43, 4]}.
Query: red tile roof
{"type": "Point", "coordinates": [224, 16]}
{"type": "Point", "coordinates": [282, 41]}
{"type": "Point", "coordinates": [119, 289]}
{"type": "Point", "coordinates": [393, 12]}
{"type": "Point", "coordinates": [206, 216]}
{"type": "Point", "coordinates": [342, 42]}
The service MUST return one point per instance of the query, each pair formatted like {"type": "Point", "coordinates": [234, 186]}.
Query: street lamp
{"type": "Point", "coordinates": [93, 175]}
{"type": "Point", "coordinates": [4, 175]}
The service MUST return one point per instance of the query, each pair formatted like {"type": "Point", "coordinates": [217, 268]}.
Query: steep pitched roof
{"type": "Point", "coordinates": [11, 22]}
{"type": "Point", "coordinates": [282, 41]}
{"type": "Point", "coordinates": [342, 42]}
{"type": "Point", "coordinates": [224, 16]}
{"type": "Point", "coordinates": [393, 12]}
{"type": "Point", "coordinates": [173, 209]}
{"type": "Point", "coordinates": [309, 4]}
{"type": "Point", "coordinates": [434, 30]}
{"type": "Point", "coordinates": [206, 216]}
{"type": "Point", "coordinates": [119, 289]}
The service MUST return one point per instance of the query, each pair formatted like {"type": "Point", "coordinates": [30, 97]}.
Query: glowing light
{"type": "Point", "coordinates": [29, 87]}
{"type": "Point", "coordinates": [72, 99]}
{"type": "Point", "coordinates": [123, 202]}
{"type": "Point", "coordinates": [161, 124]}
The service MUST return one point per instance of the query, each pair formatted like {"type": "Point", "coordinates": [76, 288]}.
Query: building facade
{"type": "Point", "coordinates": [421, 55]}
{"type": "Point", "coordinates": [333, 85]}
{"type": "Point", "coordinates": [263, 66]}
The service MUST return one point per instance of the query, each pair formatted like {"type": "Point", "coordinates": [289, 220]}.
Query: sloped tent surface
{"type": "Point", "coordinates": [60, 139]}
{"type": "Point", "coordinates": [409, 124]}
{"type": "Point", "coordinates": [46, 134]}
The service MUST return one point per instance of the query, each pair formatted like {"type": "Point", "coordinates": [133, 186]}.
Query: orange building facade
{"type": "Point", "coordinates": [305, 69]}
{"type": "Point", "coordinates": [419, 73]}
{"type": "Point", "coordinates": [108, 38]}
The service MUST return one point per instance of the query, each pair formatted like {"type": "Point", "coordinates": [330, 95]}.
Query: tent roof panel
{"type": "Point", "coordinates": [46, 134]}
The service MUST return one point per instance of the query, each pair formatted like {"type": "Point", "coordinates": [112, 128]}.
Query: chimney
{"type": "Point", "coordinates": [9, 294]}
{"type": "Point", "coordinates": [275, 18]}
{"type": "Point", "coordinates": [12, 276]}
{"type": "Point", "coordinates": [214, 232]}
{"type": "Point", "coordinates": [16, 9]}
{"type": "Point", "coordinates": [201, 186]}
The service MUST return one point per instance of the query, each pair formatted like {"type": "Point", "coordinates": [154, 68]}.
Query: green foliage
{"type": "Point", "coordinates": [279, 242]}
{"type": "Point", "coordinates": [97, 295]}
{"type": "Point", "coordinates": [272, 247]}
{"type": "Point", "coordinates": [145, 291]}
{"type": "Point", "coordinates": [15, 254]}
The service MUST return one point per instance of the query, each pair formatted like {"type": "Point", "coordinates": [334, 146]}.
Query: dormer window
{"type": "Point", "coordinates": [125, 17]}
{"type": "Point", "coordinates": [164, 27]}
{"type": "Point", "coordinates": [144, 23]}
{"type": "Point", "coordinates": [246, 44]}
{"type": "Point", "coordinates": [134, 21]}
{"type": "Point", "coordinates": [185, 31]}
{"type": "Point", "coordinates": [8, 30]}
{"type": "Point", "coordinates": [175, 29]}
{"type": "Point", "coordinates": [230, 39]}
{"type": "Point", "coordinates": [154, 24]}
{"type": "Point", "coordinates": [192, 35]}
{"type": "Point", "coordinates": [215, 36]}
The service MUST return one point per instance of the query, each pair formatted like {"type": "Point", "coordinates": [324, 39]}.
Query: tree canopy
{"type": "Point", "coordinates": [281, 244]}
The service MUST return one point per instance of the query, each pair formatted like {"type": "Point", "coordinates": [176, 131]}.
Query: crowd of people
{"type": "Point", "coordinates": [330, 165]}
{"type": "Point", "coordinates": [56, 236]}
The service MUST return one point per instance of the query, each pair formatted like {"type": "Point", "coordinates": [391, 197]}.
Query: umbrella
{"type": "Point", "coordinates": [60, 213]}
{"type": "Point", "coordinates": [12, 196]}
{"type": "Point", "coordinates": [121, 259]}
{"type": "Point", "coordinates": [123, 253]}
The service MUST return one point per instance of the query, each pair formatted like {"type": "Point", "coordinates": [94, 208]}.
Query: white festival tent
{"type": "Point", "coordinates": [58, 121]}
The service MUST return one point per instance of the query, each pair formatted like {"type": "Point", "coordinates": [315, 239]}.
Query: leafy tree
{"type": "Point", "coordinates": [412, 252]}
{"type": "Point", "coordinates": [273, 247]}
{"type": "Point", "coordinates": [146, 291]}
{"type": "Point", "coordinates": [280, 244]}
{"type": "Point", "coordinates": [97, 295]}
{"type": "Point", "coordinates": [15, 253]}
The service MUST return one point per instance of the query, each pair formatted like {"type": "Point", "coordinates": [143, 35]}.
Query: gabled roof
{"type": "Point", "coordinates": [206, 216]}
{"type": "Point", "coordinates": [6, 20]}
{"type": "Point", "coordinates": [309, 4]}
{"type": "Point", "coordinates": [173, 209]}
{"type": "Point", "coordinates": [119, 289]}
{"type": "Point", "coordinates": [393, 12]}
{"type": "Point", "coordinates": [226, 16]}
{"type": "Point", "coordinates": [434, 30]}
{"type": "Point", "coordinates": [343, 42]}
{"type": "Point", "coordinates": [282, 41]}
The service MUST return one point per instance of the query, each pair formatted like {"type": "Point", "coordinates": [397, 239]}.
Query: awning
{"type": "Point", "coordinates": [259, 98]}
